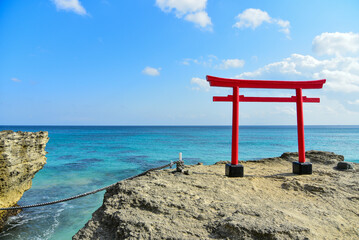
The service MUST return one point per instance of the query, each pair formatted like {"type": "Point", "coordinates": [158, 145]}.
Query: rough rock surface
{"type": "Point", "coordinates": [268, 203]}
{"type": "Point", "coordinates": [22, 155]}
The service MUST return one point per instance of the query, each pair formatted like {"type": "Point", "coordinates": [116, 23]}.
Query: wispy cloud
{"type": "Point", "coordinates": [253, 18]}
{"type": "Point", "coordinates": [355, 102]}
{"type": "Point", "coordinates": [204, 61]}
{"type": "Point", "coordinates": [151, 71]}
{"type": "Point", "coordinates": [70, 5]}
{"type": "Point", "coordinates": [231, 63]}
{"type": "Point", "coordinates": [212, 61]}
{"type": "Point", "coordinates": [289, 110]}
{"type": "Point", "coordinates": [191, 10]}
{"type": "Point", "coordinates": [200, 84]}
{"type": "Point", "coordinates": [15, 80]}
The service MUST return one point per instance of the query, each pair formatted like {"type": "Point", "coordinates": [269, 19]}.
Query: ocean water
{"type": "Point", "coordinates": [81, 159]}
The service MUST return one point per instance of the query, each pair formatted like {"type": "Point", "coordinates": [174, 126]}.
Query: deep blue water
{"type": "Point", "coordinates": [81, 159]}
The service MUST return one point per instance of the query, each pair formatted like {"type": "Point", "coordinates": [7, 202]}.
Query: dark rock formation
{"type": "Point", "coordinates": [345, 166]}
{"type": "Point", "coordinates": [22, 155]}
{"type": "Point", "coordinates": [268, 203]}
{"type": "Point", "coordinates": [315, 157]}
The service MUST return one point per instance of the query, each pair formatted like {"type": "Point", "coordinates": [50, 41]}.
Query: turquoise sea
{"type": "Point", "coordinates": [81, 159]}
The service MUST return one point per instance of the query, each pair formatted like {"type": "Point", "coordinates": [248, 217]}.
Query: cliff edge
{"type": "Point", "coordinates": [22, 155]}
{"type": "Point", "coordinates": [268, 203]}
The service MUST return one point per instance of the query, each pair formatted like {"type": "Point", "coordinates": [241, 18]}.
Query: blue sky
{"type": "Point", "coordinates": [143, 62]}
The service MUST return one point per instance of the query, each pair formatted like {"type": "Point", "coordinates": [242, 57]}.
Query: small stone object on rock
{"type": "Point", "coordinates": [186, 172]}
{"type": "Point", "coordinates": [345, 166]}
{"type": "Point", "coordinates": [179, 166]}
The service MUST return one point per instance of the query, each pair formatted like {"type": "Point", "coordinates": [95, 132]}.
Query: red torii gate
{"type": "Point", "coordinates": [236, 170]}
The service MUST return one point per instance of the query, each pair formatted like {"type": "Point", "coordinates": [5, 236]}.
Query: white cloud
{"type": "Point", "coordinates": [355, 102]}
{"type": "Point", "coordinates": [15, 80]}
{"type": "Point", "coordinates": [253, 18]}
{"type": "Point", "coordinates": [201, 19]}
{"type": "Point", "coordinates": [340, 80]}
{"type": "Point", "coordinates": [151, 71]}
{"type": "Point", "coordinates": [338, 44]}
{"type": "Point", "coordinates": [201, 84]}
{"type": "Point", "coordinates": [342, 74]}
{"type": "Point", "coordinates": [231, 63]}
{"type": "Point", "coordinates": [70, 5]}
{"type": "Point", "coordinates": [190, 10]}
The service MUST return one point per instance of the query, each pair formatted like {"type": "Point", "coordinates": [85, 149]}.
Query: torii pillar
{"type": "Point", "coordinates": [299, 167]}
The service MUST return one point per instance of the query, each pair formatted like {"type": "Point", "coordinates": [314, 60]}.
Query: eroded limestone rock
{"type": "Point", "coordinates": [22, 155]}
{"type": "Point", "coordinates": [268, 203]}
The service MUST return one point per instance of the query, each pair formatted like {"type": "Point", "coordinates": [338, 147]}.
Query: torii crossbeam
{"type": "Point", "coordinates": [236, 170]}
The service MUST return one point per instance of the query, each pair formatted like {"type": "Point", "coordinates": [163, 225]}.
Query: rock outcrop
{"type": "Point", "coordinates": [268, 203]}
{"type": "Point", "coordinates": [22, 155]}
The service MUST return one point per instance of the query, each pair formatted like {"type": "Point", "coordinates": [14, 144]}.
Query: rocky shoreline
{"type": "Point", "coordinates": [22, 155]}
{"type": "Point", "coordinates": [268, 203]}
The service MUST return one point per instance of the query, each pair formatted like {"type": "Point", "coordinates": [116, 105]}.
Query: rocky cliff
{"type": "Point", "coordinates": [268, 203]}
{"type": "Point", "coordinates": [22, 155]}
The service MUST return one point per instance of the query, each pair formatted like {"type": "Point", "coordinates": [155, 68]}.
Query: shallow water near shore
{"type": "Point", "coordinates": [81, 159]}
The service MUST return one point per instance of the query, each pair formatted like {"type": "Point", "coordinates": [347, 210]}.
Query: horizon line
{"type": "Point", "coordinates": [158, 125]}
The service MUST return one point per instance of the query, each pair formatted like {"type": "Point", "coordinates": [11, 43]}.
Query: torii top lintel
{"type": "Point", "coordinates": [242, 83]}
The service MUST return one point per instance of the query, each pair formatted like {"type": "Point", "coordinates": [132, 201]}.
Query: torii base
{"type": "Point", "coordinates": [234, 170]}
{"type": "Point", "coordinates": [302, 168]}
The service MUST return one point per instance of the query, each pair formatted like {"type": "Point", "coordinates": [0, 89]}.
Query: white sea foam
{"type": "Point", "coordinates": [30, 217]}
